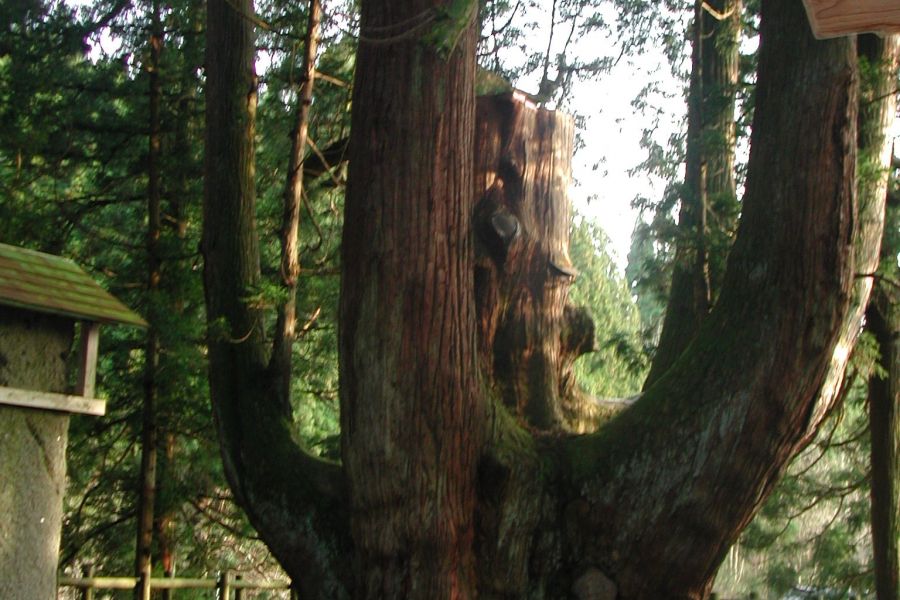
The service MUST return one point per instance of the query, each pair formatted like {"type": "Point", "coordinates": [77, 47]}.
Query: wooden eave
{"type": "Point", "coordinates": [50, 284]}
{"type": "Point", "coordinates": [44, 283]}
{"type": "Point", "coordinates": [836, 18]}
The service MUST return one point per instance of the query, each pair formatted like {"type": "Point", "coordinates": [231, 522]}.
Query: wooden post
{"type": "Point", "coordinates": [87, 593]}
{"type": "Point", "coordinates": [87, 370]}
{"type": "Point", "coordinates": [167, 593]}
{"type": "Point", "coordinates": [224, 585]}
{"type": "Point", "coordinates": [144, 586]}
{"type": "Point", "coordinates": [238, 591]}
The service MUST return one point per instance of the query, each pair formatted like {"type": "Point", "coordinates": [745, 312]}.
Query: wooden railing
{"type": "Point", "coordinates": [228, 585]}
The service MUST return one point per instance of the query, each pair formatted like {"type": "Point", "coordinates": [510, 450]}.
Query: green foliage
{"type": "Point", "coordinates": [813, 530]}
{"type": "Point", "coordinates": [73, 179]}
{"type": "Point", "coordinates": [618, 364]}
{"type": "Point", "coordinates": [648, 274]}
{"type": "Point", "coordinates": [449, 24]}
{"type": "Point", "coordinates": [315, 372]}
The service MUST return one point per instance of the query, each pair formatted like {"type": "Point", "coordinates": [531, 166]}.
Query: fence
{"type": "Point", "coordinates": [227, 585]}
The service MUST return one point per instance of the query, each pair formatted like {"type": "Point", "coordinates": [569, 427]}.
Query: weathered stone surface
{"type": "Point", "coordinates": [33, 352]}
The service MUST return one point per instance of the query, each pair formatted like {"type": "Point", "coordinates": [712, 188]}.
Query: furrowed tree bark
{"type": "Point", "coordinates": [530, 336]}
{"type": "Point", "coordinates": [294, 500]}
{"type": "Point", "coordinates": [669, 484]}
{"type": "Point", "coordinates": [877, 109]}
{"type": "Point", "coordinates": [411, 404]}
{"type": "Point", "coordinates": [461, 479]}
{"type": "Point", "coordinates": [705, 222]}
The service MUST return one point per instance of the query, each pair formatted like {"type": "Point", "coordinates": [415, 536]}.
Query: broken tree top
{"type": "Point", "coordinates": [834, 18]}
{"type": "Point", "coordinates": [51, 284]}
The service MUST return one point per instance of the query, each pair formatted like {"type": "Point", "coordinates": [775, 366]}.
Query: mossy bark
{"type": "Point", "coordinates": [673, 480]}
{"type": "Point", "coordinates": [33, 354]}
{"type": "Point", "coordinates": [708, 202]}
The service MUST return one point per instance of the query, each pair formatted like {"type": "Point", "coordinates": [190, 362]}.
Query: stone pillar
{"type": "Point", "coordinates": [33, 352]}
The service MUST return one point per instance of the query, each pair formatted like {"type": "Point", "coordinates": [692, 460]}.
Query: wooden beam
{"type": "Point", "coordinates": [87, 359]}
{"type": "Point", "coordinates": [50, 401]}
{"type": "Point", "coordinates": [835, 18]}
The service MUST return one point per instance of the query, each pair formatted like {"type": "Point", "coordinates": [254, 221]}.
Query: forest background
{"type": "Point", "coordinates": [101, 129]}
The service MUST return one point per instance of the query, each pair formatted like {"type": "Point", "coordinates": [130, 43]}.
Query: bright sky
{"type": "Point", "coordinates": [604, 189]}
{"type": "Point", "coordinates": [613, 135]}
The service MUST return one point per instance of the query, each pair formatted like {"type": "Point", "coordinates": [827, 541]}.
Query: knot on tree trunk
{"type": "Point", "coordinates": [530, 335]}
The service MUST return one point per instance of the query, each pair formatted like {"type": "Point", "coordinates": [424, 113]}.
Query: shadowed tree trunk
{"type": "Point", "coordinates": [295, 501]}
{"type": "Point", "coordinates": [706, 218]}
{"type": "Point", "coordinates": [143, 565]}
{"type": "Point", "coordinates": [411, 407]}
{"type": "Point", "coordinates": [882, 316]}
{"type": "Point", "coordinates": [884, 425]}
{"type": "Point", "coordinates": [459, 479]}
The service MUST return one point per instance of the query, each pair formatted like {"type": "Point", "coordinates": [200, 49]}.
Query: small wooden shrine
{"type": "Point", "coordinates": [44, 300]}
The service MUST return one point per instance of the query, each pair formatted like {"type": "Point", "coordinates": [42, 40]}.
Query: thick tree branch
{"type": "Point", "coordinates": [293, 499]}
{"type": "Point", "coordinates": [731, 412]}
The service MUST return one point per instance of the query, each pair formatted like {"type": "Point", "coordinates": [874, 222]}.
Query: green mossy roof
{"type": "Point", "coordinates": [50, 284]}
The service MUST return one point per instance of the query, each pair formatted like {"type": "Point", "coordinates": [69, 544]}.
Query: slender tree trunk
{"type": "Point", "coordinates": [877, 112]}
{"type": "Point", "coordinates": [181, 172]}
{"type": "Point", "coordinates": [164, 523]}
{"type": "Point", "coordinates": [149, 437]}
{"type": "Point", "coordinates": [706, 219]}
{"type": "Point", "coordinates": [411, 406]}
{"type": "Point", "coordinates": [285, 329]}
{"type": "Point", "coordinates": [883, 320]}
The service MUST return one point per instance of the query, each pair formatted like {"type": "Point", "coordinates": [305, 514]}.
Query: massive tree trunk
{"type": "Point", "coordinates": [411, 404]}
{"type": "Point", "coordinates": [708, 202]}
{"type": "Point", "coordinates": [459, 478]}
{"type": "Point", "coordinates": [735, 408]}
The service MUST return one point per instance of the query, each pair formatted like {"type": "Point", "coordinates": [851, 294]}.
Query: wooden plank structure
{"type": "Point", "coordinates": [43, 283]}
{"type": "Point", "coordinates": [836, 18]}
{"type": "Point", "coordinates": [227, 584]}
